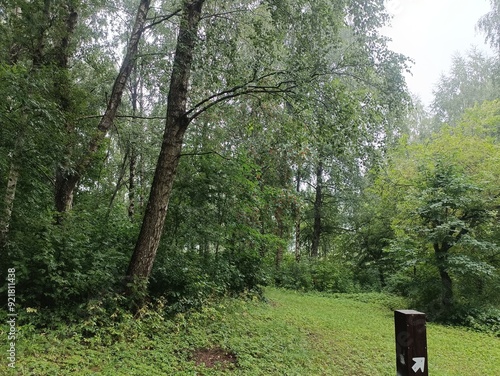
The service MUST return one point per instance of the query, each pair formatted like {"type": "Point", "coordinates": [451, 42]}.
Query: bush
{"type": "Point", "coordinates": [329, 275]}
{"type": "Point", "coordinates": [294, 275]}
{"type": "Point", "coordinates": [483, 320]}
{"type": "Point", "coordinates": [65, 265]}
{"type": "Point", "coordinates": [188, 280]}
{"type": "Point", "coordinates": [326, 275]}
{"type": "Point", "coordinates": [421, 286]}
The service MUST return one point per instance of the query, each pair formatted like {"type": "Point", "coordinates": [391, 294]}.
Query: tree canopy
{"type": "Point", "coordinates": [196, 148]}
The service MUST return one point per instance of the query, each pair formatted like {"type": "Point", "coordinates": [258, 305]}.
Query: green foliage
{"type": "Point", "coordinates": [294, 275]}
{"type": "Point", "coordinates": [322, 87]}
{"type": "Point", "coordinates": [310, 274]}
{"type": "Point", "coordinates": [444, 217]}
{"type": "Point", "coordinates": [482, 319]}
{"type": "Point", "coordinates": [214, 243]}
{"type": "Point", "coordinates": [488, 24]}
{"type": "Point", "coordinates": [37, 135]}
{"type": "Point", "coordinates": [450, 206]}
{"type": "Point", "coordinates": [61, 266]}
{"type": "Point", "coordinates": [331, 275]}
{"type": "Point", "coordinates": [420, 285]}
{"type": "Point", "coordinates": [483, 120]}
{"type": "Point", "coordinates": [471, 81]}
{"type": "Point", "coordinates": [188, 280]}
{"type": "Point", "coordinates": [368, 244]}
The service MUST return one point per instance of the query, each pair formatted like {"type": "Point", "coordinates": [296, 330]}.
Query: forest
{"type": "Point", "coordinates": [177, 152]}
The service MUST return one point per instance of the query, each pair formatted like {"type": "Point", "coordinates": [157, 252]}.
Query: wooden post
{"type": "Point", "coordinates": [411, 343]}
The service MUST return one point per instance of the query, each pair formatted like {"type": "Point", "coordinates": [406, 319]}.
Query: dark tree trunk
{"type": "Point", "coordinates": [441, 254]}
{"type": "Point", "coordinates": [154, 218]}
{"type": "Point", "coordinates": [318, 203]}
{"type": "Point", "coordinates": [447, 293]}
{"type": "Point", "coordinates": [66, 182]}
{"type": "Point", "coordinates": [381, 276]}
{"type": "Point", "coordinates": [68, 179]}
{"type": "Point", "coordinates": [177, 122]}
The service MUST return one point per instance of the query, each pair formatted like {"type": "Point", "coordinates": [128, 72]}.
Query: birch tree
{"type": "Point", "coordinates": [274, 59]}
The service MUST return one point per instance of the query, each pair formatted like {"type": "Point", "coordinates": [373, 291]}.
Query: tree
{"type": "Point", "coordinates": [67, 177]}
{"type": "Point", "coordinates": [269, 91]}
{"type": "Point", "coordinates": [372, 234]}
{"type": "Point", "coordinates": [471, 80]}
{"type": "Point", "coordinates": [177, 121]}
{"type": "Point", "coordinates": [307, 62]}
{"type": "Point", "coordinates": [347, 136]}
{"type": "Point", "coordinates": [418, 123]}
{"type": "Point", "coordinates": [445, 189]}
{"type": "Point", "coordinates": [451, 208]}
{"type": "Point", "coordinates": [489, 24]}
{"type": "Point", "coordinates": [21, 57]}
{"type": "Point", "coordinates": [31, 108]}
{"type": "Point", "coordinates": [482, 120]}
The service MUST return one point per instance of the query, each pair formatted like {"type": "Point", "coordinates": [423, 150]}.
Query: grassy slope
{"type": "Point", "coordinates": [355, 338]}
{"type": "Point", "coordinates": [295, 334]}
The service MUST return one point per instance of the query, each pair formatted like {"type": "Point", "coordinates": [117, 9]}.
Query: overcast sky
{"type": "Point", "coordinates": [431, 32]}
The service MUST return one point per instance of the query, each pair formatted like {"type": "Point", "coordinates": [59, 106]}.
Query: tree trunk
{"type": "Point", "coordinates": [8, 204]}
{"type": "Point", "coordinates": [68, 178]}
{"type": "Point", "coordinates": [37, 53]}
{"type": "Point", "coordinates": [447, 291]}
{"type": "Point", "coordinates": [381, 277]}
{"type": "Point", "coordinates": [11, 189]}
{"type": "Point", "coordinates": [65, 176]}
{"type": "Point", "coordinates": [278, 213]}
{"type": "Point", "coordinates": [318, 203]}
{"type": "Point", "coordinates": [177, 122]}
{"type": "Point", "coordinates": [441, 254]}
{"type": "Point", "coordinates": [131, 181]}
{"type": "Point", "coordinates": [297, 236]}
{"type": "Point", "coordinates": [66, 181]}
{"type": "Point", "coordinates": [134, 97]}
{"type": "Point", "coordinates": [296, 210]}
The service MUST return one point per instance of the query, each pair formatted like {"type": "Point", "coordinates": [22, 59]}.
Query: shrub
{"type": "Point", "coordinates": [65, 265]}
{"type": "Point", "coordinates": [327, 275]}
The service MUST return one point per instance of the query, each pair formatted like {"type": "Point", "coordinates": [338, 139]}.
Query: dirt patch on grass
{"type": "Point", "coordinates": [214, 358]}
{"type": "Point", "coordinates": [274, 304]}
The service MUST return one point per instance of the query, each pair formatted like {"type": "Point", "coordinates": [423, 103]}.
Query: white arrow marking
{"type": "Point", "coordinates": [419, 364]}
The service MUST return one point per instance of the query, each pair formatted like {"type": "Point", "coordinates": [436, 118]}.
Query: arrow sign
{"type": "Point", "coordinates": [419, 364]}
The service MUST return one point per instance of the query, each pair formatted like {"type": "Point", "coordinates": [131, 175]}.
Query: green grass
{"type": "Point", "coordinates": [293, 334]}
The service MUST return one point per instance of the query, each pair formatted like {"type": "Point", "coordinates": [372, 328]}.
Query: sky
{"type": "Point", "coordinates": [431, 32]}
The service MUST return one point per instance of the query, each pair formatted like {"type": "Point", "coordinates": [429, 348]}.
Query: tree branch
{"type": "Point", "coordinates": [243, 89]}
{"type": "Point", "coordinates": [222, 14]}
{"type": "Point", "coordinates": [125, 117]}
{"type": "Point", "coordinates": [159, 19]}
{"type": "Point", "coordinates": [205, 153]}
